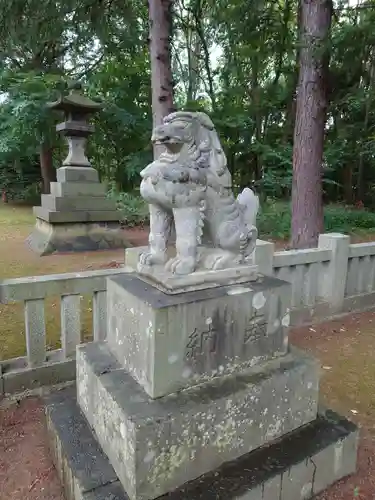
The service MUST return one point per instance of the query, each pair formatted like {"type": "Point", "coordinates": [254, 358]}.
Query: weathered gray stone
{"type": "Point", "coordinates": [158, 445]}
{"type": "Point", "coordinates": [52, 285]}
{"type": "Point", "coordinates": [1, 383]}
{"type": "Point", "coordinates": [78, 216]}
{"type": "Point", "coordinates": [77, 174]}
{"type": "Point", "coordinates": [18, 377]}
{"type": "Point", "coordinates": [75, 237]}
{"type": "Point", "coordinates": [78, 189]}
{"type": "Point", "coordinates": [168, 342]}
{"type": "Point", "coordinates": [60, 203]}
{"type": "Point", "coordinates": [263, 256]}
{"type": "Point", "coordinates": [334, 277]}
{"type": "Point", "coordinates": [198, 201]}
{"type": "Point", "coordinates": [310, 315]}
{"type": "Point", "coordinates": [35, 332]}
{"type": "Point", "coordinates": [132, 255]}
{"type": "Point", "coordinates": [199, 280]}
{"type": "Point", "coordinates": [259, 475]}
{"type": "Point", "coordinates": [80, 464]}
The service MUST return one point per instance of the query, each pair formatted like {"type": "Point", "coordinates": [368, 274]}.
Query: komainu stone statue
{"type": "Point", "coordinates": [189, 187]}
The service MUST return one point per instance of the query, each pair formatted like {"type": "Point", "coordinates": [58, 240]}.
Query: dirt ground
{"type": "Point", "coordinates": [346, 348]}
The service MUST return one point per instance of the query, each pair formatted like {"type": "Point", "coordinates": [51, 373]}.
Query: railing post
{"type": "Point", "coordinates": [35, 330]}
{"type": "Point", "coordinates": [1, 383]}
{"type": "Point", "coordinates": [100, 315]}
{"type": "Point", "coordinates": [263, 257]}
{"type": "Point", "coordinates": [70, 324]}
{"type": "Point", "coordinates": [334, 278]}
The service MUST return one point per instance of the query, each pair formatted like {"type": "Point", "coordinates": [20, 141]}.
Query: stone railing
{"type": "Point", "coordinates": [327, 281]}
{"type": "Point", "coordinates": [39, 366]}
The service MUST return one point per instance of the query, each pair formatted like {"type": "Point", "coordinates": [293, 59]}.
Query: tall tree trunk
{"type": "Point", "coordinates": [160, 53]}
{"type": "Point", "coordinates": [307, 203]}
{"type": "Point", "coordinates": [46, 166]}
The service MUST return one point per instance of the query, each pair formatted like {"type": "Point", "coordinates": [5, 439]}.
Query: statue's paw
{"type": "Point", "coordinates": [179, 265]}
{"type": "Point", "coordinates": [225, 261]}
{"type": "Point", "coordinates": [152, 259]}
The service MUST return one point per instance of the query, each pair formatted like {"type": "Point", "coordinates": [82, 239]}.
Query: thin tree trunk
{"type": "Point", "coordinates": [206, 59]}
{"type": "Point", "coordinates": [160, 54]}
{"type": "Point", "coordinates": [290, 118]}
{"type": "Point", "coordinates": [307, 203]}
{"type": "Point", "coordinates": [347, 183]}
{"type": "Point", "coordinates": [46, 166]}
{"type": "Point", "coordinates": [193, 49]}
{"type": "Point", "coordinates": [360, 178]}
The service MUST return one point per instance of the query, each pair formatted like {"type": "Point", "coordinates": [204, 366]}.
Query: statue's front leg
{"type": "Point", "coordinates": [188, 223]}
{"type": "Point", "coordinates": [160, 229]}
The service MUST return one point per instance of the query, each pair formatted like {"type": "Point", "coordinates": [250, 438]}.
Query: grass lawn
{"type": "Point", "coordinates": [16, 260]}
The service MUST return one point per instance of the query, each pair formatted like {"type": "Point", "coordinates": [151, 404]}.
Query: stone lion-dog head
{"type": "Point", "coordinates": [191, 137]}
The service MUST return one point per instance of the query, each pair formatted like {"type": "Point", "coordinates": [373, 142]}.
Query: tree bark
{"type": "Point", "coordinates": [46, 166]}
{"type": "Point", "coordinates": [311, 107]}
{"type": "Point", "coordinates": [347, 183]}
{"type": "Point", "coordinates": [160, 53]}
{"type": "Point", "coordinates": [369, 98]}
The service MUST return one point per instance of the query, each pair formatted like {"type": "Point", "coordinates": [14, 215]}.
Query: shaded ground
{"type": "Point", "coordinates": [26, 470]}
{"type": "Point", "coordinates": [16, 259]}
{"type": "Point", "coordinates": [346, 349]}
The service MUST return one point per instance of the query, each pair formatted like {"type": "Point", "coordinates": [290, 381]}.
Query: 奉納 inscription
{"type": "Point", "coordinates": [200, 342]}
{"type": "Point", "coordinates": [256, 328]}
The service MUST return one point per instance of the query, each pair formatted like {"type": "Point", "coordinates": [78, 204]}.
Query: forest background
{"type": "Point", "coordinates": [237, 60]}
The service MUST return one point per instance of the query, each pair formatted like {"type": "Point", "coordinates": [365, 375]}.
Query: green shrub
{"type": "Point", "coordinates": [348, 220]}
{"type": "Point", "coordinates": [274, 220]}
{"type": "Point", "coordinates": [133, 208]}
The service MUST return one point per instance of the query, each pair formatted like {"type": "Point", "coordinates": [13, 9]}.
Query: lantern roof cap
{"type": "Point", "coordinates": [75, 101]}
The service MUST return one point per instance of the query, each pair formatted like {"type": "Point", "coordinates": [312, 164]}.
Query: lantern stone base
{"type": "Point", "coordinates": [48, 237]}
{"type": "Point", "coordinates": [77, 216]}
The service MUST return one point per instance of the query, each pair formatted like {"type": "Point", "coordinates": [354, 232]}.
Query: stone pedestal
{"type": "Point", "coordinates": [187, 383]}
{"type": "Point", "coordinates": [168, 342]}
{"type": "Point", "coordinates": [77, 216]}
{"type": "Point", "coordinates": [157, 445]}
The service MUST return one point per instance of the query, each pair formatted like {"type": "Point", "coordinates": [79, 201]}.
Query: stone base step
{"type": "Point", "coordinates": [298, 466]}
{"type": "Point", "coordinates": [49, 238]}
{"type": "Point", "coordinates": [156, 445]}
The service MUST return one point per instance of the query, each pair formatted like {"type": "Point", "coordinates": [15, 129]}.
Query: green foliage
{"type": "Point", "coordinates": [25, 120]}
{"type": "Point", "coordinates": [21, 180]}
{"type": "Point", "coordinates": [235, 59]}
{"type": "Point", "coordinates": [274, 220]}
{"type": "Point", "coordinates": [134, 210]}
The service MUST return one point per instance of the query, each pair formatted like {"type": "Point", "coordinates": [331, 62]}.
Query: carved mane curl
{"type": "Point", "coordinates": [203, 144]}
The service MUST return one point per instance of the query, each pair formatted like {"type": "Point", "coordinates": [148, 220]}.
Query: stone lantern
{"type": "Point", "coordinates": [77, 108]}
{"type": "Point", "coordinates": [77, 215]}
